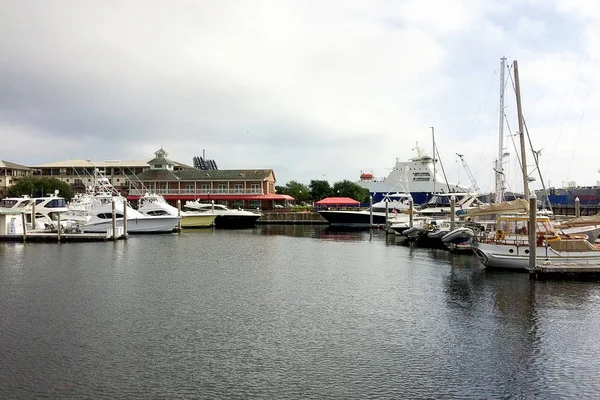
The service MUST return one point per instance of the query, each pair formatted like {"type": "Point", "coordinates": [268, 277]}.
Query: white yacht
{"type": "Point", "coordinates": [226, 217]}
{"type": "Point", "coordinates": [154, 204]}
{"type": "Point", "coordinates": [47, 209]}
{"type": "Point", "coordinates": [93, 211]}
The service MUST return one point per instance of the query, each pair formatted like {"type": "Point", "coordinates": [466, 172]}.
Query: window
{"type": "Point", "coordinates": [205, 188]}
{"type": "Point", "coordinates": [222, 188]}
{"type": "Point", "coordinates": [238, 188]}
{"type": "Point", "coordinates": [255, 188]}
{"type": "Point", "coordinates": [189, 188]}
{"type": "Point", "coordinates": [254, 203]}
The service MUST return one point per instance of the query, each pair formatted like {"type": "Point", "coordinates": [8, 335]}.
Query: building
{"type": "Point", "coordinates": [80, 173]}
{"type": "Point", "coordinates": [10, 173]}
{"type": "Point", "coordinates": [245, 188]}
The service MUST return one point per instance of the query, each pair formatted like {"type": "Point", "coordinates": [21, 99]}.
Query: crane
{"type": "Point", "coordinates": [469, 174]}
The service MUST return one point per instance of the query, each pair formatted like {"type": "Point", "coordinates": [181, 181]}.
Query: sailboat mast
{"type": "Point", "coordinates": [499, 161]}
{"type": "Point", "coordinates": [521, 131]}
{"type": "Point", "coordinates": [434, 175]}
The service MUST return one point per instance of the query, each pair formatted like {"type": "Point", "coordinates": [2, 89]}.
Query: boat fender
{"type": "Point", "coordinates": [500, 234]}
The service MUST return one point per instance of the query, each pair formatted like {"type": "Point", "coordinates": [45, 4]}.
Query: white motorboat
{"type": "Point", "coordinates": [47, 209]}
{"type": "Point", "coordinates": [93, 211]}
{"type": "Point", "coordinates": [152, 204]}
{"type": "Point", "coordinates": [225, 217]}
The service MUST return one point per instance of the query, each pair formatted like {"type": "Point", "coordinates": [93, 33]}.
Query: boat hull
{"type": "Point", "coordinates": [197, 221]}
{"type": "Point", "coordinates": [352, 219]}
{"type": "Point", "coordinates": [516, 257]}
{"type": "Point", "coordinates": [241, 221]}
{"type": "Point", "coordinates": [135, 225]}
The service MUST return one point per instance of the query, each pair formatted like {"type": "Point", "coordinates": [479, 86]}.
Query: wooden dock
{"type": "Point", "coordinates": [291, 218]}
{"type": "Point", "coordinates": [566, 270]}
{"type": "Point", "coordinates": [53, 237]}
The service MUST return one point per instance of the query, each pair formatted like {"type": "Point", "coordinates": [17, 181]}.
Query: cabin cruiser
{"type": "Point", "coordinates": [152, 204]}
{"type": "Point", "coordinates": [46, 208]}
{"type": "Point", "coordinates": [225, 217]}
{"type": "Point", "coordinates": [93, 211]}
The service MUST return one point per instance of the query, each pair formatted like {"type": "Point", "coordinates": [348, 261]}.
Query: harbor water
{"type": "Point", "coordinates": [286, 312]}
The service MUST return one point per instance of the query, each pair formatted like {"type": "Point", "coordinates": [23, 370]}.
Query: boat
{"type": "Point", "coordinates": [392, 205]}
{"type": "Point", "coordinates": [153, 204]}
{"type": "Point", "coordinates": [46, 208]}
{"type": "Point", "coordinates": [225, 217]}
{"type": "Point", "coordinates": [93, 212]}
{"type": "Point", "coordinates": [508, 246]}
{"type": "Point", "coordinates": [417, 176]}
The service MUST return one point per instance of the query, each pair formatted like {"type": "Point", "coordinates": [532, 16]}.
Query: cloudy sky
{"type": "Point", "coordinates": [311, 89]}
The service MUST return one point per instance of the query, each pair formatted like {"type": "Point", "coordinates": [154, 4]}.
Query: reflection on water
{"type": "Point", "coordinates": [286, 312]}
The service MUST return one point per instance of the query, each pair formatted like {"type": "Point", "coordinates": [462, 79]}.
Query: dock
{"type": "Point", "coordinates": [55, 237]}
{"type": "Point", "coordinates": [291, 218]}
{"type": "Point", "coordinates": [565, 270]}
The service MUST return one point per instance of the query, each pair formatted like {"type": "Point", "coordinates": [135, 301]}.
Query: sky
{"type": "Point", "coordinates": [310, 89]}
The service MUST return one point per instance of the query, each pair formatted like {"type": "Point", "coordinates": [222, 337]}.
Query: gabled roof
{"type": "Point", "coordinates": [161, 160]}
{"type": "Point", "coordinates": [11, 165]}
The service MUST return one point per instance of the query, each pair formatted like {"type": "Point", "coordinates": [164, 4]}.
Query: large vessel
{"type": "Point", "coordinates": [417, 176]}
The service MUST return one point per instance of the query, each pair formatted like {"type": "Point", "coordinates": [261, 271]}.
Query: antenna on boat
{"type": "Point", "coordinates": [433, 140]}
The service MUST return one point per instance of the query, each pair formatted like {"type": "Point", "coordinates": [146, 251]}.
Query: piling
{"type": "Point", "coordinates": [386, 210]}
{"type": "Point", "coordinates": [179, 215]}
{"type": "Point", "coordinates": [58, 226]}
{"type": "Point", "coordinates": [24, 219]}
{"type": "Point", "coordinates": [371, 211]}
{"type": "Point", "coordinates": [577, 208]}
{"type": "Point", "coordinates": [114, 219]}
{"type": "Point", "coordinates": [410, 212]}
{"type": "Point", "coordinates": [33, 214]}
{"type": "Point", "coordinates": [125, 205]}
{"type": "Point", "coordinates": [452, 211]}
{"type": "Point", "coordinates": [532, 231]}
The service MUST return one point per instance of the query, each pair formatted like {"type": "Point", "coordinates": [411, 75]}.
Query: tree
{"type": "Point", "coordinates": [36, 186]}
{"type": "Point", "coordinates": [350, 189]}
{"type": "Point", "coordinates": [298, 191]}
{"type": "Point", "coordinates": [319, 190]}
{"type": "Point", "coordinates": [281, 190]}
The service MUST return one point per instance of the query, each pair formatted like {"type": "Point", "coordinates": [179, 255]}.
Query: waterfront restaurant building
{"type": "Point", "coordinates": [175, 181]}
{"type": "Point", "coordinates": [237, 188]}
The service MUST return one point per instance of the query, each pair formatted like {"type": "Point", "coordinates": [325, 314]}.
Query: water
{"type": "Point", "coordinates": [286, 312]}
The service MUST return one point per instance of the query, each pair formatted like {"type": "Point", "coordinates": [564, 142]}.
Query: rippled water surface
{"type": "Point", "coordinates": [286, 312]}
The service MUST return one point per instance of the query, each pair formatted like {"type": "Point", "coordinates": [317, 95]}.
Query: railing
{"type": "Point", "coordinates": [141, 192]}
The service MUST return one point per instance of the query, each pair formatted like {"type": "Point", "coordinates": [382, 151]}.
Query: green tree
{"type": "Point", "coordinates": [297, 190]}
{"type": "Point", "coordinates": [281, 190]}
{"type": "Point", "coordinates": [319, 189]}
{"type": "Point", "coordinates": [350, 189]}
{"type": "Point", "coordinates": [36, 186]}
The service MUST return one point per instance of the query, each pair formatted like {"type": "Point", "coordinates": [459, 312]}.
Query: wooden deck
{"type": "Point", "coordinates": [64, 237]}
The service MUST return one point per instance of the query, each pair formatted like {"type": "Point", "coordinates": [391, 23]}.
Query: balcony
{"type": "Point", "coordinates": [140, 192]}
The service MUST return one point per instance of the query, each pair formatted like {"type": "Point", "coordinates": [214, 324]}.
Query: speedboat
{"type": "Point", "coordinates": [225, 217]}
{"type": "Point", "coordinates": [152, 204]}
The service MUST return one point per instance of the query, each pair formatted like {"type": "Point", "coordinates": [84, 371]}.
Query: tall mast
{"type": "Point", "coordinates": [500, 185]}
{"type": "Point", "coordinates": [433, 140]}
{"type": "Point", "coordinates": [521, 132]}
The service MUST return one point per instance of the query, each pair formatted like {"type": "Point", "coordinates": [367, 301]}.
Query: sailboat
{"type": "Point", "coordinates": [508, 246]}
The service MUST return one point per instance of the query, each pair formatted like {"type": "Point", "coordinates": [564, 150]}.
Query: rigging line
{"type": "Point", "coordinates": [585, 104]}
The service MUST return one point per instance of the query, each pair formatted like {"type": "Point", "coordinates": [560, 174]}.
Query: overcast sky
{"type": "Point", "coordinates": [312, 89]}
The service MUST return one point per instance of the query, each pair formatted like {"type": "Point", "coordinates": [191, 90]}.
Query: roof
{"type": "Point", "coordinates": [206, 175]}
{"type": "Point", "coordinates": [161, 160]}
{"type": "Point", "coordinates": [78, 163]}
{"type": "Point", "coordinates": [337, 201]}
{"type": "Point", "coordinates": [11, 165]}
